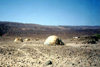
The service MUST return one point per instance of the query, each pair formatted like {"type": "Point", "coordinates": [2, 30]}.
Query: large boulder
{"type": "Point", "coordinates": [53, 40]}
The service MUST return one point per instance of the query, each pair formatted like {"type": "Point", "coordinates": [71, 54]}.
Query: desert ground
{"type": "Point", "coordinates": [34, 53]}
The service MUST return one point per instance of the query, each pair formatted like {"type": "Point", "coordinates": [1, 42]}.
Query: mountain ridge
{"type": "Point", "coordinates": [22, 29]}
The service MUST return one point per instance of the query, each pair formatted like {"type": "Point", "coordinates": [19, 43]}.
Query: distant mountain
{"type": "Point", "coordinates": [35, 30]}
{"type": "Point", "coordinates": [81, 27]}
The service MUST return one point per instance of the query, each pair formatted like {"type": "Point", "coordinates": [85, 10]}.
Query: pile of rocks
{"type": "Point", "coordinates": [19, 39]}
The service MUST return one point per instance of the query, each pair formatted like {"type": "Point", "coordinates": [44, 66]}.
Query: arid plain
{"type": "Point", "coordinates": [34, 53]}
{"type": "Point", "coordinates": [78, 50]}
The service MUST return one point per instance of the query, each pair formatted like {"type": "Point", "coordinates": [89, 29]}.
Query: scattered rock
{"type": "Point", "coordinates": [73, 64]}
{"type": "Point", "coordinates": [27, 39]}
{"type": "Point", "coordinates": [48, 62]}
{"type": "Point", "coordinates": [76, 37]}
{"type": "Point", "coordinates": [89, 42]}
{"type": "Point", "coordinates": [78, 62]}
{"type": "Point", "coordinates": [9, 53]}
{"type": "Point", "coordinates": [37, 39]}
{"type": "Point", "coordinates": [18, 39]}
{"type": "Point", "coordinates": [94, 64]}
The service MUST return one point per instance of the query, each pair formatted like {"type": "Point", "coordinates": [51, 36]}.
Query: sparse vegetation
{"type": "Point", "coordinates": [88, 39]}
{"type": "Point", "coordinates": [97, 35]}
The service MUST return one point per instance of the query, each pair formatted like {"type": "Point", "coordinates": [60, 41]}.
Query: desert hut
{"type": "Point", "coordinates": [53, 40]}
{"type": "Point", "coordinates": [27, 39]}
{"type": "Point", "coordinates": [18, 39]}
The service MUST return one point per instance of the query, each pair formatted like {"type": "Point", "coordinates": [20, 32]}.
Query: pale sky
{"type": "Point", "coordinates": [51, 12]}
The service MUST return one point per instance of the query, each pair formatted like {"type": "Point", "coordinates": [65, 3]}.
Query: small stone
{"type": "Point", "coordinates": [94, 64]}
{"type": "Point", "coordinates": [73, 64]}
{"type": "Point", "coordinates": [48, 62]}
{"type": "Point", "coordinates": [9, 53]}
{"type": "Point", "coordinates": [78, 62]}
{"type": "Point", "coordinates": [39, 62]}
{"type": "Point", "coordinates": [58, 57]}
{"type": "Point", "coordinates": [8, 66]}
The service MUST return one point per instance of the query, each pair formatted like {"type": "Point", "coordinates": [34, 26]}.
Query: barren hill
{"type": "Point", "coordinates": [36, 30]}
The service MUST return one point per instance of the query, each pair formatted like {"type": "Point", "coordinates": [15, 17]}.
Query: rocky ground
{"type": "Point", "coordinates": [35, 54]}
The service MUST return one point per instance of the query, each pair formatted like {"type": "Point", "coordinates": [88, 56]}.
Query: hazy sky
{"type": "Point", "coordinates": [51, 12]}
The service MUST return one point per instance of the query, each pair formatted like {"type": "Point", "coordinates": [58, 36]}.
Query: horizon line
{"type": "Point", "coordinates": [43, 24]}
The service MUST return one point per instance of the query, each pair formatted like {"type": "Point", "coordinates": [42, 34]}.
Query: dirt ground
{"type": "Point", "coordinates": [35, 54]}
